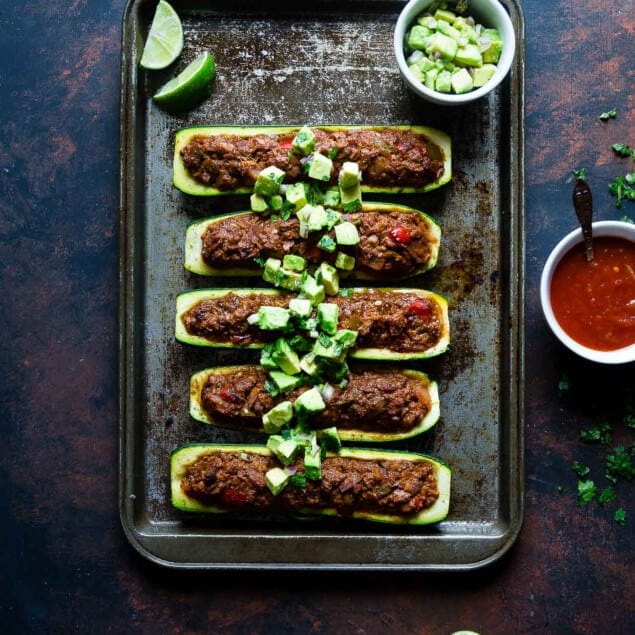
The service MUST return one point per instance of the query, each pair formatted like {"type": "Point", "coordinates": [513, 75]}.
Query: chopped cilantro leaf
{"type": "Point", "coordinates": [580, 173]}
{"type": "Point", "coordinates": [621, 190]}
{"type": "Point", "coordinates": [625, 218]}
{"type": "Point", "coordinates": [298, 480]}
{"type": "Point", "coordinates": [259, 261]}
{"type": "Point", "coordinates": [601, 433]}
{"type": "Point", "coordinates": [622, 149]}
{"type": "Point", "coordinates": [580, 469]}
{"type": "Point", "coordinates": [619, 464]}
{"type": "Point", "coordinates": [620, 516]}
{"type": "Point", "coordinates": [606, 495]}
{"type": "Point", "coordinates": [630, 179]}
{"type": "Point", "coordinates": [333, 152]}
{"type": "Point", "coordinates": [609, 114]}
{"type": "Point", "coordinates": [586, 492]}
{"type": "Point", "coordinates": [564, 385]}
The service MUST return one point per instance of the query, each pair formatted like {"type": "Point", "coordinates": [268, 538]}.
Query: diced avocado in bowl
{"type": "Point", "coordinates": [454, 52]}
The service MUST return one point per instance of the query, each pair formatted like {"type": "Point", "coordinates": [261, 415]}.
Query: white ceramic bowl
{"type": "Point", "coordinates": [618, 229]}
{"type": "Point", "coordinates": [490, 13]}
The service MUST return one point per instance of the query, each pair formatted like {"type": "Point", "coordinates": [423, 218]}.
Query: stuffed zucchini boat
{"type": "Point", "coordinates": [213, 160]}
{"type": "Point", "coordinates": [395, 241]}
{"type": "Point", "coordinates": [378, 485]}
{"type": "Point", "coordinates": [391, 324]}
{"type": "Point", "coordinates": [373, 405]}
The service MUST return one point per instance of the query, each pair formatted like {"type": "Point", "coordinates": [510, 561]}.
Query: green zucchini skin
{"type": "Point", "coordinates": [194, 262]}
{"type": "Point", "coordinates": [197, 381]}
{"type": "Point", "coordinates": [184, 182]}
{"type": "Point", "coordinates": [189, 299]}
{"type": "Point", "coordinates": [185, 455]}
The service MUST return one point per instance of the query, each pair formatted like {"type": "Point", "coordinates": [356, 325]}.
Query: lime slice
{"type": "Point", "coordinates": [190, 87]}
{"type": "Point", "coordinates": [165, 39]}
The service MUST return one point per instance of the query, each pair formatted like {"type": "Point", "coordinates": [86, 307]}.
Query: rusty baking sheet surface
{"type": "Point", "coordinates": [329, 63]}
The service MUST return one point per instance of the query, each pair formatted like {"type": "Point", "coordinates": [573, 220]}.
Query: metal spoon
{"type": "Point", "coordinates": [583, 205]}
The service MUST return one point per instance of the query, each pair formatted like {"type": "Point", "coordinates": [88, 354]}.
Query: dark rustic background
{"type": "Point", "coordinates": [66, 564]}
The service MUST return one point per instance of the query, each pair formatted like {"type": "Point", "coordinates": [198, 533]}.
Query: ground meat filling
{"type": "Point", "coordinates": [387, 157]}
{"type": "Point", "coordinates": [392, 244]}
{"type": "Point", "coordinates": [236, 481]}
{"type": "Point", "coordinates": [375, 401]}
{"type": "Point", "coordinates": [398, 321]}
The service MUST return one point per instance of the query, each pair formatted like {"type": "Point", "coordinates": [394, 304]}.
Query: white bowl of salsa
{"type": "Point", "coordinates": [590, 306]}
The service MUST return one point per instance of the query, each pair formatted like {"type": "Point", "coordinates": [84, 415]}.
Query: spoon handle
{"type": "Point", "coordinates": [583, 205]}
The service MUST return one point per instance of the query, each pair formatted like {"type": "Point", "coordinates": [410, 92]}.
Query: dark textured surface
{"type": "Point", "coordinates": [67, 565]}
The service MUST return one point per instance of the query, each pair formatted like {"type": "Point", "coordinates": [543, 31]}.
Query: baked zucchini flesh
{"type": "Point", "coordinates": [391, 324]}
{"type": "Point", "coordinates": [395, 242]}
{"type": "Point", "coordinates": [373, 405]}
{"type": "Point", "coordinates": [226, 160]}
{"type": "Point", "coordinates": [384, 486]}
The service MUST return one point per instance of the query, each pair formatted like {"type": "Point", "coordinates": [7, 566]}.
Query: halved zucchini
{"type": "Point", "coordinates": [356, 313]}
{"type": "Point", "coordinates": [438, 145]}
{"type": "Point", "coordinates": [185, 456]}
{"type": "Point", "coordinates": [418, 252]}
{"type": "Point", "coordinates": [422, 388]}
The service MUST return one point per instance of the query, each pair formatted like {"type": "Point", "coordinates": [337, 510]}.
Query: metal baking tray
{"type": "Point", "coordinates": [327, 63]}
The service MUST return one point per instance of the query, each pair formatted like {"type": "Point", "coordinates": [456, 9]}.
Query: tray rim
{"type": "Point", "coordinates": [146, 542]}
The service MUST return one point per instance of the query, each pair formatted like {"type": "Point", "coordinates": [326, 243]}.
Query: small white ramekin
{"type": "Point", "coordinates": [617, 229]}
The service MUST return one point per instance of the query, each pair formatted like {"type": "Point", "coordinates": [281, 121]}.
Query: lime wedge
{"type": "Point", "coordinates": [165, 38]}
{"type": "Point", "coordinates": [190, 87]}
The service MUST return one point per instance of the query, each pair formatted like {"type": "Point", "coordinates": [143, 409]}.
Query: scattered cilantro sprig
{"type": "Point", "coordinates": [618, 460]}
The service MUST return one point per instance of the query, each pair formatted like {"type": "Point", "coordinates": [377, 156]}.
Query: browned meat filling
{"type": "Point", "coordinates": [377, 401]}
{"type": "Point", "coordinates": [387, 157]}
{"type": "Point", "coordinates": [234, 480]}
{"type": "Point", "coordinates": [392, 244]}
{"type": "Point", "coordinates": [399, 321]}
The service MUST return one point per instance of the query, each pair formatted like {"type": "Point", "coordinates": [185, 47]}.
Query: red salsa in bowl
{"type": "Point", "coordinates": [590, 306]}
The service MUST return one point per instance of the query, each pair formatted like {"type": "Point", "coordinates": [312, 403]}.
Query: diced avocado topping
{"type": "Point", "coordinates": [309, 401]}
{"type": "Point", "coordinates": [283, 382]}
{"type": "Point", "coordinates": [293, 263]}
{"type": "Point", "coordinates": [313, 464]}
{"type": "Point", "coordinates": [276, 479]}
{"type": "Point", "coordinates": [272, 318]}
{"type": "Point", "coordinates": [331, 197]}
{"type": "Point", "coordinates": [271, 269]}
{"type": "Point", "coordinates": [329, 278]}
{"type": "Point", "coordinates": [258, 203]}
{"type": "Point", "coordinates": [304, 141]}
{"type": "Point", "coordinates": [351, 198]}
{"type": "Point", "coordinates": [296, 195]}
{"type": "Point", "coordinates": [445, 50]}
{"type": "Point", "coordinates": [276, 418]}
{"type": "Point", "coordinates": [350, 175]}
{"type": "Point", "coordinates": [311, 352]}
{"type": "Point", "coordinates": [300, 307]}
{"type": "Point", "coordinates": [330, 439]}
{"type": "Point", "coordinates": [327, 315]}
{"type": "Point", "coordinates": [346, 234]}
{"type": "Point", "coordinates": [314, 291]}
{"type": "Point", "coordinates": [285, 357]}
{"type": "Point", "coordinates": [268, 181]}
{"type": "Point", "coordinates": [286, 450]}
{"type": "Point", "coordinates": [321, 167]}
{"type": "Point", "coordinates": [326, 243]}
{"type": "Point", "coordinates": [344, 261]}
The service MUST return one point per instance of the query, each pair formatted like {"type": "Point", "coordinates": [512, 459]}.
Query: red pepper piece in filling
{"type": "Point", "coordinates": [227, 394]}
{"type": "Point", "coordinates": [233, 498]}
{"type": "Point", "coordinates": [420, 308]}
{"type": "Point", "coordinates": [400, 235]}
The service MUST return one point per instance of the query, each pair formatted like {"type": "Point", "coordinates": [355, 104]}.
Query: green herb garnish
{"type": "Point", "coordinates": [586, 492]}
{"type": "Point", "coordinates": [619, 464]}
{"type": "Point", "coordinates": [609, 114]}
{"type": "Point", "coordinates": [601, 433]}
{"type": "Point", "coordinates": [580, 469]}
{"type": "Point", "coordinates": [621, 190]}
{"type": "Point", "coordinates": [620, 516]}
{"type": "Point", "coordinates": [607, 495]}
{"type": "Point", "coordinates": [623, 150]}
